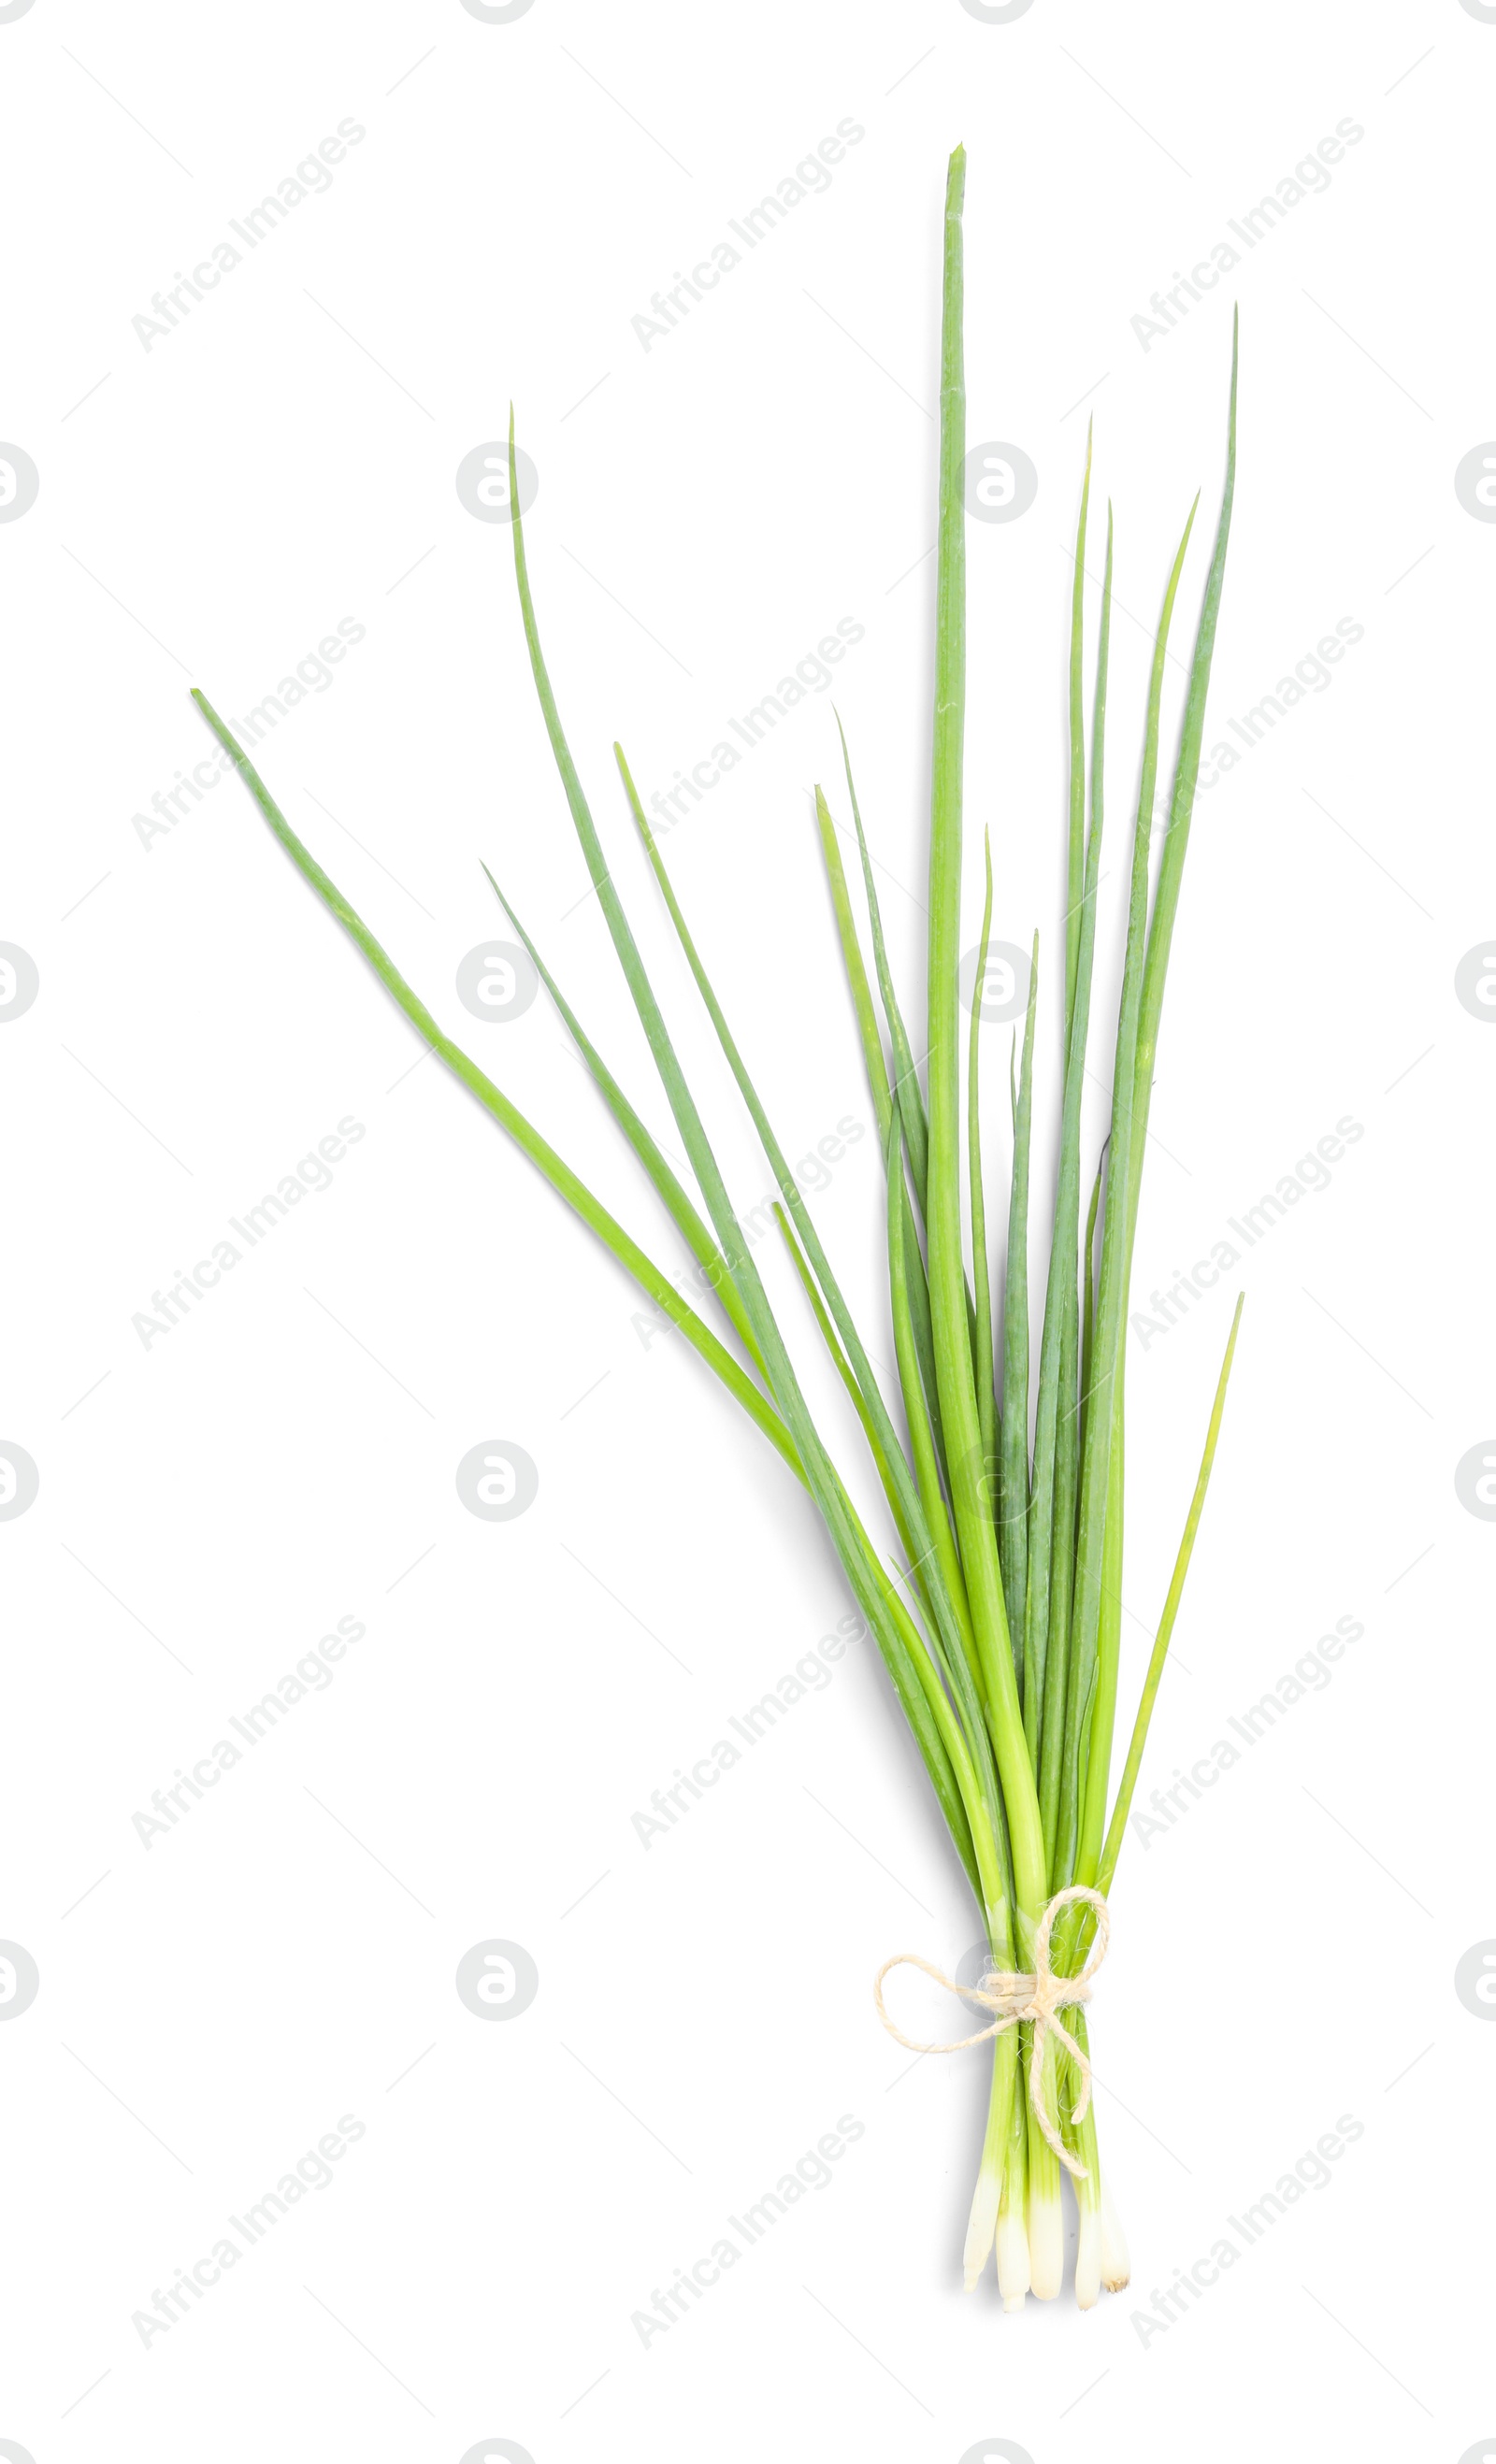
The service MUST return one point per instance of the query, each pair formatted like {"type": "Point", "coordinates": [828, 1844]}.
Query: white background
{"type": "Point", "coordinates": [210, 508]}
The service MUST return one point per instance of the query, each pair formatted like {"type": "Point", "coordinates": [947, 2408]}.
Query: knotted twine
{"type": "Point", "coordinates": [1035, 1999]}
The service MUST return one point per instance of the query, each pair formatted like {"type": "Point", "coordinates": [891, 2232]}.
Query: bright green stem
{"type": "Point", "coordinates": [922, 1440]}
{"type": "Point", "coordinates": [882, 1102]}
{"type": "Point", "coordinates": [1061, 1580]}
{"type": "Point", "coordinates": [986, 1394]}
{"type": "Point", "coordinates": [1013, 1529]}
{"type": "Point", "coordinates": [1096, 1621]}
{"type": "Point", "coordinates": [1052, 1530]}
{"type": "Point", "coordinates": [856, 972]}
{"type": "Point", "coordinates": [1089, 1287]}
{"type": "Point", "coordinates": [867, 1579]}
{"type": "Point", "coordinates": [1186, 774]}
{"type": "Point", "coordinates": [906, 1068]}
{"type": "Point", "coordinates": [1092, 1780]}
{"type": "Point", "coordinates": [1076, 864]}
{"type": "Point", "coordinates": [926, 1706]}
{"type": "Point", "coordinates": [1080, 2137]}
{"type": "Point", "coordinates": [1041, 1509]}
{"type": "Point", "coordinates": [683, 1213]}
{"type": "Point", "coordinates": [946, 1612]}
{"type": "Point", "coordinates": [862, 1568]}
{"type": "Point", "coordinates": [944, 1219]}
{"type": "Point", "coordinates": [1096, 1643]}
{"type": "Point", "coordinates": [905, 1073]}
{"type": "Point", "coordinates": [963, 1743]}
{"type": "Point", "coordinates": [844, 1370]}
{"type": "Point", "coordinates": [954, 1661]}
{"type": "Point", "coordinates": [527, 1138]}
{"type": "Point", "coordinates": [1171, 1609]}
{"type": "Point", "coordinates": [1080, 1669]}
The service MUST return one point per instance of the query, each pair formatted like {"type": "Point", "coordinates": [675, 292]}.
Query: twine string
{"type": "Point", "coordinates": [1018, 1998]}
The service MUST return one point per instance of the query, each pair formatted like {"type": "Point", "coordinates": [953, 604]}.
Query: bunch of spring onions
{"type": "Point", "coordinates": [1000, 1622]}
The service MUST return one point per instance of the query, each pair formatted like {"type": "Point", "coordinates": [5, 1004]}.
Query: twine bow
{"type": "Point", "coordinates": [1035, 2000]}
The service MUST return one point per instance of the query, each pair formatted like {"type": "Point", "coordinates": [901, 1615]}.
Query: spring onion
{"type": "Point", "coordinates": [998, 1614]}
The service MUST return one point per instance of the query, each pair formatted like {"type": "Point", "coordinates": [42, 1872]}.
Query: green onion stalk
{"type": "Point", "coordinates": [993, 1590]}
